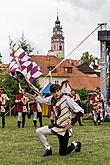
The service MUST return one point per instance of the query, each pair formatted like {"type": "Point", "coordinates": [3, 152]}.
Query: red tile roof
{"type": "Point", "coordinates": [45, 61]}
{"type": "Point", "coordinates": [88, 83]}
{"type": "Point", "coordinates": [77, 79]}
{"type": "Point", "coordinates": [4, 67]}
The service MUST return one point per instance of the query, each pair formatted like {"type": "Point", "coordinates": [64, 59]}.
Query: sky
{"type": "Point", "coordinates": [36, 19]}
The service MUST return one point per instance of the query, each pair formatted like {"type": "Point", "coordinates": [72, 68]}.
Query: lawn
{"type": "Point", "coordinates": [21, 146]}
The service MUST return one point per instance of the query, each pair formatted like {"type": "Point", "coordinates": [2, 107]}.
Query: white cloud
{"type": "Point", "coordinates": [36, 19]}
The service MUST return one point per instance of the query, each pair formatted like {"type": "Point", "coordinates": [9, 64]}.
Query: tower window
{"type": "Point", "coordinates": [60, 47]}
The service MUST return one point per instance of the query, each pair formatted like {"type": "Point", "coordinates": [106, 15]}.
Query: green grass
{"type": "Point", "coordinates": [21, 146]}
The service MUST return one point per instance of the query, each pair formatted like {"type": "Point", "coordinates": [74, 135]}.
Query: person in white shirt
{"type": "Point", "coordinates": [66, 113]}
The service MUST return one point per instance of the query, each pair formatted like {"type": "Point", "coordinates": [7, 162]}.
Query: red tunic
{"type": "Point", "coordinates": [19, 105]}
{"type": "Point", "coordinates": [92, 100]}
{"type": "Point", "coordinates": [34, 107]}
{"type": "Point", "coordinates": [95, 100]}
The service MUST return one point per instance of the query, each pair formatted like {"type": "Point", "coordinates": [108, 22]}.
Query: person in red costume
{"type": "Point", "coordinates": [36, 110]}
{"type": "Point", "coordinates": [77, 99]}
{"type": "Point", "coordinates": [96, 106]}
{"type": "Point", "coordinates": [21, 107]}
{"type": "Point", "coordinates": [4, 103]}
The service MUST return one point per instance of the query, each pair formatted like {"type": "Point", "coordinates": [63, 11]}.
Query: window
{"type": "Point", "coordinates": [60, 47]}
{"type": "Point", "coordinates": [68, 69]}
{"type": "Point", "coordinates": [65, 85]}
{"type": "Point", "coordinates": [56, 82]}
{"type": "Point", "coordinates": [51, 68]}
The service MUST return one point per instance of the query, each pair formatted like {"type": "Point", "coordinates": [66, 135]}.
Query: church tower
{"type": "Point", "coordinates": [57, 40]}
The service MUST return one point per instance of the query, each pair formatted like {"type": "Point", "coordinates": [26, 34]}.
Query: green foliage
{"type": "Point", "coordinates": [11, 85]}
{"type": "Point", "coordinates": [25, 46]}
{"type": "Point", "coordinates": [24, 83]}
{"type": "Point", "coordinates": [0, 58]}
{"type": "Point", "coordinates": [88, 59]}
{"type": "Point", "coordinates": [85, 59]}
{"type": "Point", "coordinates": [84, 96]}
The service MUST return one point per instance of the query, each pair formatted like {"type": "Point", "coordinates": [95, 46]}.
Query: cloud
{"type": "Point", "coordinates": [37, 19]}
{"type": "Point", "coordinates": [91, 5]}
{"type": "Point", "coordinates": [83, 16]}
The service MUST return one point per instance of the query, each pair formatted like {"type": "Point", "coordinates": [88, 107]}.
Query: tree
{"type": "Point", "coordinates": [10, 86]}
{"type": "Point", "coordinates": [0, 58]}
{"type": "Point", "coordinates": [24, 84]}
{"type": "Point", "coordinates": [85, 59]}
{"type": "Point", "coordinates": [25, 46]}
{"type": "Point", "coordinates": [85, 101]}
{"type": "Point", "coordinates": [88, 59]}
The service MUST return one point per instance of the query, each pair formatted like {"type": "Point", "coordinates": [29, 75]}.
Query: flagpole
{"type": "Point", "coordinates": [9, 110]}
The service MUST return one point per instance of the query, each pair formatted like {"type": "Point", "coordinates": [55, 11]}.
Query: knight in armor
{"type": "Point", "coordinates": [66, 113]}
{"type": "Point", "coordinates": [21, 102]}
{"type": "Point", "coordinates": [4, 103]}
{"type": "Point", "coordinates": [96, 106]}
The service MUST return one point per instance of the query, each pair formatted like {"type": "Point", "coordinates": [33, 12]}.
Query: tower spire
{"type": "Point", "coordinates": [57, 40]}
{"type": "Point", "coordinates": [57, 15]}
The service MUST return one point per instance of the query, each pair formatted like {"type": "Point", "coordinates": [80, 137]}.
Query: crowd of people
{"type": "Point", "coordinates": [65, 111]}
{"type": "Point", "coordinates": [24, 105]}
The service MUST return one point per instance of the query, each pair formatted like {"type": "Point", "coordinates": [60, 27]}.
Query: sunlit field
{"type": "Point", "coordinates": [20, 146]}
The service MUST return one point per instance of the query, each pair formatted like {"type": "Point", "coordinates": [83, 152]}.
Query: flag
{"type": "Point", "coordinates": [21, 62]}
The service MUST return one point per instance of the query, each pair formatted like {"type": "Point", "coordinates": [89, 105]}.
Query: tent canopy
{"type": "Point", "coordinates": [46, 90]}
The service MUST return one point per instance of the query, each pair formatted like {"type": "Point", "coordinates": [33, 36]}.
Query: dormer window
{"type": "Point", "coordinates": [68, 69]}
{"type": "Point", "coordinates": [50, 68]}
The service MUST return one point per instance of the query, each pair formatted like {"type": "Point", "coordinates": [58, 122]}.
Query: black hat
{"type": "Point", "coordinates": [54, 87]}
